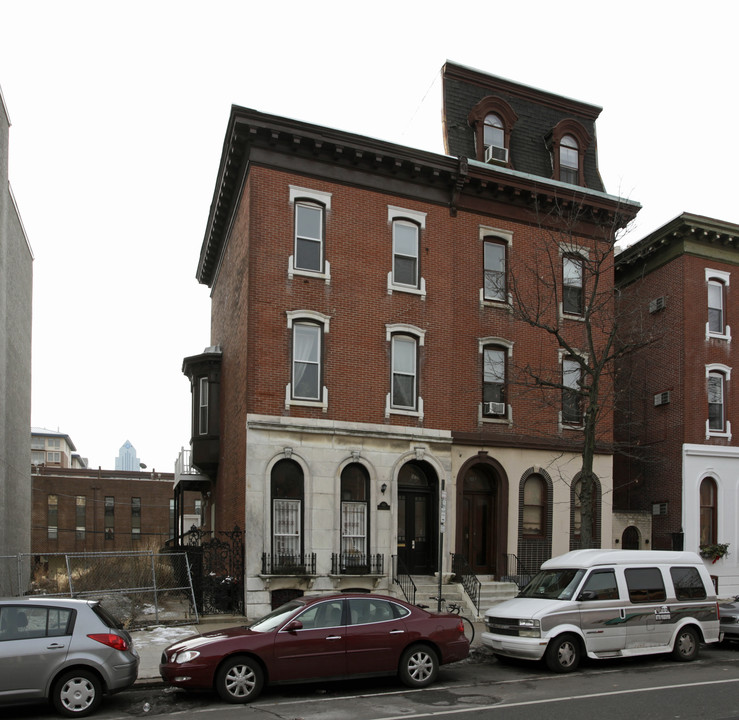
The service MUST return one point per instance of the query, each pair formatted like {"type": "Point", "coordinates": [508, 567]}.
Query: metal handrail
{"type": "Point", "coordinates": [403, 578]}
{"type": "Point", "coordinates": [470, 582]}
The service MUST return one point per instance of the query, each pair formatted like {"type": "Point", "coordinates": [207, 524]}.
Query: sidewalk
{"type": "Point", "coordinates": [150, 642]}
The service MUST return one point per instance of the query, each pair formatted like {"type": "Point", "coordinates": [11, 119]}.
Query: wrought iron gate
{"type": "Point", "coordinates": [217, 563]}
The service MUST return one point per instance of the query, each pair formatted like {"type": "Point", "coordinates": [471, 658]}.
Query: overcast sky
{"type": "Point", "coordinates": [119, 111]}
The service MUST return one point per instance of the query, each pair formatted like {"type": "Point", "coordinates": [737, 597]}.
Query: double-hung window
{"type": "Point", "coordinates": [404, 397]}
{"type": "Point", "coordinates": [493, 381]}
{"type": "Point", "coordinates": [405, 275]}
{"type": "Point", "coordinates": [404, 372]}
{"type": "Point", "coordinates": [717, 282]}
{"type": "Point", "coordinates": [405, 253]}
{"type": "Point", "coordinates": [495, 270]}
{"type": "Point", "coordinates": [716, 415]}
{"type": "Point", "coordinates": [203, 406]}
{"type": "Point", "coordinates": [309, 242]}
{"type": "Point", "coordinates": [715, 307]}
{"type": "Point", "coordinates": [569, 160]}
{"type": "Point", "coordinates": [717, 377]}
{"type": "Point", "coordinates": [52, 517]}
{"type": "Point", "coordinates": [136, 518]}
{"type": "Point", "coordinates": [306, 376]}
{"type": "Point", "coordinates": [571, 393]}
{"type": "Point", "coordinates": [308, 237]}
{"type": "Point", "coordinates": [572, 285]}
{"type": "Point", "coordinates": [307, 329]}
{"type": "Point", "coordinates": [80, 516]}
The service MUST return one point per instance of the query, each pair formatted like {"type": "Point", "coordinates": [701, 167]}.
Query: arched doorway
{"type": "Point", "coordinates": [630, 538]}
{"type": "Point", "coordinates": [481, 520]}
{"type": "Point", "coordinates": [418, 517]}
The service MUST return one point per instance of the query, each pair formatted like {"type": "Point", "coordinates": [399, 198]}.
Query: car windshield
{"type": "Point", "coordinates": [276, 617]}
{"type": "Point", "coordinates": [553, 584]}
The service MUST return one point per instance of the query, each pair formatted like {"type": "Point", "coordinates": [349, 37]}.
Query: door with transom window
{"type": "Point", "coordinates": [417, 518]}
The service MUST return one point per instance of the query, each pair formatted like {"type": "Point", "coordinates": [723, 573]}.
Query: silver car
{"type": "Point", "coordinates": [67, 651]}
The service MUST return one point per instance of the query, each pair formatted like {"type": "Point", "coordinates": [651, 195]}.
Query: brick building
{"type": "Point", "coordinates": [681, 463]}
{"type": "Point", "coordinates": [79, 510]}
{"type": "Point", "coordinates": [359, 400]}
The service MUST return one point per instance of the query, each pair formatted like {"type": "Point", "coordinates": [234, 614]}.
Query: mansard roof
{"type": "Point", "coordinates": [537, 113]}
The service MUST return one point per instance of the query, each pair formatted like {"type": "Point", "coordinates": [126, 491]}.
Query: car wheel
{"type": "Point", "coordinates": [419, 666]}
{"type": "Point", "coordinates": [239, 680]}
{"type": "Point", "coordinates": [687, 644]}
{"type": "Point", "coordinates": [563, 654]}
{"type": "Point", "coordinates": [77, 693]}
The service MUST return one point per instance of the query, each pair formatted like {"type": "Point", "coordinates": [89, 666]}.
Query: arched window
{"type": "Point", "coordinates": [569, 160]}
{"type": "Point", "coordinates": [354, 515]}
{"type": "Point", "coordinates": [287, 512]}
{"type": "Point", "coordinates": [494, 139]}
{"type": "Point", "coordinates": [708, 533]}
{"type": "Point", "coordinates": [534, 507]}
{"type": "Point", "coordinates": [568, 143]}
{"type": "Point", "coordinates": [492, 120]}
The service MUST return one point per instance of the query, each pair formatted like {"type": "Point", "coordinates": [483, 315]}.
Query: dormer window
{"type": "Point", "coordinates": [492, 120]}
{"type": "Point", "coordinates": [494, 139]}
{"type": "Point", "coordinates": [569, 160]}
{"type": "Point", "coordinates": [568, 143]}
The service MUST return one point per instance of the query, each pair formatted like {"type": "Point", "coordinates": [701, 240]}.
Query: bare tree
{"type": "Point", "coordinates": [566, 290]}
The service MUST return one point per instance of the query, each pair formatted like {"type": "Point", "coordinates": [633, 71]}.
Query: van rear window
{"type": "Point", "coordinates": [645, 585]}
{"type": "Point", "coordinates": [688, 583]}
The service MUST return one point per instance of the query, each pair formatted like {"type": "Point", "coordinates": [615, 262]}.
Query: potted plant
{"type": "Point", "coordinates": [714, 552]}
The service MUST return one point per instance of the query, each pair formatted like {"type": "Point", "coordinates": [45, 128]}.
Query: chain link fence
{"type": "Point", "coordinates": [140, 588]}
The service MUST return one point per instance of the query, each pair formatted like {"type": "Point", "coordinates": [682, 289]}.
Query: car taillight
{"type": "Point", "coordinates": [111, 640]}
{"type": "Point", "coordinates": [460, 627]}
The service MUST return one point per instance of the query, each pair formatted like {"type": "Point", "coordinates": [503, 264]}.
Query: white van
{"type": "Point", "coordinates": [607, 603]}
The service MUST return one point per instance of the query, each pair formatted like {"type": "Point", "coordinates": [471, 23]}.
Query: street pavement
{"type": "Point", "coordinates": [150, 642]}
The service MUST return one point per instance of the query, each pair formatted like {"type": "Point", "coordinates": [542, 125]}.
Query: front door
{"type": "Point", "coordinates": [417, 518]}
{"type": "Point", "coordinates": [478, 521]}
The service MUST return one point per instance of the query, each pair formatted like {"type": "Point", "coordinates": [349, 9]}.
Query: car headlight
{"type": "Point", "coordinates": [529, 628]}
{"type": "Point", "coordinates": [185, 656]}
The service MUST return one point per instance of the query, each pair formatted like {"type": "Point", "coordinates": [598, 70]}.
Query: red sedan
{"type": "Point", "coordinates": [319, 638]}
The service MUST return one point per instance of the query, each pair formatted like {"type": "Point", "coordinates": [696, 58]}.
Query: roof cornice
{"type": "Point", "coordinates": [257, 138]}
{"type": "Point", "coordinates": [685, 234]}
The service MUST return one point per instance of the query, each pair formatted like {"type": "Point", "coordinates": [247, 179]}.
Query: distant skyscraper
{"type": "Point", "coordinates": [127, 459]}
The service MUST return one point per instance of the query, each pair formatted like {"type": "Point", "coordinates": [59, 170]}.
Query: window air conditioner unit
{"type": "Point", "coordinates": [657, 304]}
{"type": "Point", "coordinates": [659, 509]}
{"type": "Point", "coordinates": [494, 408]}
{"type": "Point", "coordinates": [662, 398]}
{"type": "Point", "coordinates": [495, 154]}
